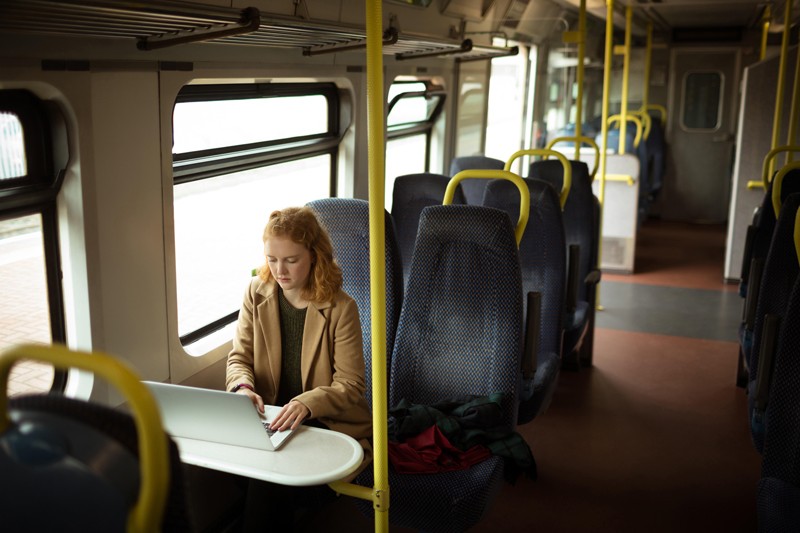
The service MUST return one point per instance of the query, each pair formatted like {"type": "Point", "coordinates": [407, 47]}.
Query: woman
{"type": "Point", "coordinates": [298, 340]}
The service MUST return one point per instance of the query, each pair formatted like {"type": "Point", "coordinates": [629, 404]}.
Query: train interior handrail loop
{"type": "Point", "coordinates": [148, 510]}
{"type": "Point", "coordinates": [582, 140]}
{"type": "Point", "coordinates": [566, 186]}
{"type": "Point", "coordinates": [778, 183]}
{"type": "Point", "coordinates": [636, 120]}
{"type": "Point", "coordinates": [765, 177]}
{"type": "Point", "coordinates": [524, 193]}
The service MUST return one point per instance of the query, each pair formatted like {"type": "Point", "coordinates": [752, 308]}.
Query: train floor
{"type": "Point", "coordinates": [653, 437]}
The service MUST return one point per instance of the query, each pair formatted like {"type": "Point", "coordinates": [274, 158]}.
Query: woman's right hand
{"type": "Point", "coordinates": [258, 402]}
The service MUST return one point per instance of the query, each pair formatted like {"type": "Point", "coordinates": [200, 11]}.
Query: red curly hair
{"type": "Point", "coordinates": [301, 226]}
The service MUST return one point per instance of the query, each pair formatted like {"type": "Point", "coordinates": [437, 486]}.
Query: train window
{"type": "Point", "coordinates": [414, 107]}
{"type": "Point", "coordinates": [240, 152]}
{"type": "Point", "coordinates": [507, 118]}
{"type": "Point", "coordinates": [12, 147]}
{"type": "Point", "coordinates": [31, 308]}
{"type": "Point", "coordinates": [702, 100]}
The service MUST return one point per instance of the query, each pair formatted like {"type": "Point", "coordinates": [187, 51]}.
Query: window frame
{"type": "Point", "coordinates": [37, 193]}
{"type": "Point", "coordinates": [210, 163]}
{"type": "Point", "coordinates": [424, 126]}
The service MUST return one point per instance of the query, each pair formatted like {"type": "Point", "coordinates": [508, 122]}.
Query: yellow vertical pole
{"type": "Point", "coordinates": [601, 196]}
{"type": "Point", "coordinates": [765, 31]}
{"type": "Point", "coordinates": [648, 58]}
{"type": "Point", "coordinates": [776, 121]}
{"type": "Point", "coordinates": [626, 70]}
{"type": "Point", "coordinates": [579, 78]}
{"type": "Point", "coordinates": [376, 155]}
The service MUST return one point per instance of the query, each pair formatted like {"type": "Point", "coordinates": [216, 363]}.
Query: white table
{"type": "Point", "coordinates": [313, 456]}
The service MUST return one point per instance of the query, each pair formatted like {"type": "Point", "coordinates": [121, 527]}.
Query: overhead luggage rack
{"type": "Point", "coordinates": [168, 23]}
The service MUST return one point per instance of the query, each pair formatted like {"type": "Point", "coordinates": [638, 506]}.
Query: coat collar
{"type": "Point", "coordinates": [313, 330]}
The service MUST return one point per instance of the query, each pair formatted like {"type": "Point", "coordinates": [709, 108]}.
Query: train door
{"type": "Point", "coordinates": [703, 93]}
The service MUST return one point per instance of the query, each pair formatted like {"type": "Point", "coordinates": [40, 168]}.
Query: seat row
{"type": "Point", "coordinates": [769, 348]}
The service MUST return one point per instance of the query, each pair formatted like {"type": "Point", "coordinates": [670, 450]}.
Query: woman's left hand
{"type": "Point", "coordinates": [291, 415]}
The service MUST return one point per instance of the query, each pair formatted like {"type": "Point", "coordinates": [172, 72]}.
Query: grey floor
{"type": "Point", "coordinates": [694, 313]}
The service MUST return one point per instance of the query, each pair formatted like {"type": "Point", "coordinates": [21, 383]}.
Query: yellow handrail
{"type": "Point", "coordinates": [639, 128]}
{"type": "Point", "coordinates": [776, 121]}
{"type": "Point", "coordinates": [379, 493]}
{"type": "Point", "coordinates": [767, 164]}
{"type": "Point", "coordinates": [627, 178]}
{"type": "Point", "coordinates": [566, 186]}
{"type": "Point", "coordinates": [578, 140]}
{"type": "Point", "coordinates": [148, 511]}
{"type": "Point", "coordinates": [646, 121]}
{"type": "Point", "coordinates": [524, 193]}
{"type": "Point", "coordinates": [662, 111]}
{"type": "Point", "coordinates": [778, 183]}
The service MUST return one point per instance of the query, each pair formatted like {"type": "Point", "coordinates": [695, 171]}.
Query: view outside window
{"type": "Point", "coordinates": [218, 227]}
{"type": "Point", "coordinates": [12, 147]}
{"type": "Point", "coordinates": [405, 155]}
{"type": "Point", "coordinates": [24, 309]}
{"type": "Point", "coordinates": [231, 176]}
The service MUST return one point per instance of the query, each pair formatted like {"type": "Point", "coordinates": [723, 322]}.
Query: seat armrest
{"type": "Point", "coordinates": [754, 287]}
{"type": "Point", "coordinates": [593, 277]}
{"type": "Point", "coordinates": [532, 334]}
{"type": "Point", "coordinates": [769, 340]}
{"type": "Point", "coordinates": [573, 273]}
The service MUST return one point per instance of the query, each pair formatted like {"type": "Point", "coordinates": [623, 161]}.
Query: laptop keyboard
{"type": "Point", "coordinates": [270, 432]}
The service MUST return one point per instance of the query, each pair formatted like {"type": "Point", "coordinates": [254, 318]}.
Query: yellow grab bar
{"type": "Point", "coordinates": [646, 121]}
{"type": "Point", "coordinates": [636, 120]}
{"type": "Point", "coordinates": [581, 140]}
{"type": "Point", "coordinates": [765, 177]}
{"type": "Point", "coordinates": [148, 511]}
{"type": "Point", "coordinates": [662, 111]}
{"type": "Point", "coordinates": [621, 177]}
{"type": "Point", "coordinates": [524, 193]}
{"type": "Point", "coordinates": [566, 186]}
{"type": "Point", "coordinates": [778, 183]}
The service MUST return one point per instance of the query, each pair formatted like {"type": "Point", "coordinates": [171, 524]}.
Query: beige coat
{"type": "Point", "coordinates": [331, 362]}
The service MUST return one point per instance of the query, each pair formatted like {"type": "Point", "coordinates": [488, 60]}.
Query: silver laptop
{"type": "Point", "coordinates": [216, 416]}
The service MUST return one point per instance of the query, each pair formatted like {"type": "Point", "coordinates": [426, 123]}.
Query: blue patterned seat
{"type": "Point", "coordinates": [780, 272]}
{"type": "Point", "coordinates": [347, 222]}
{"type": "Point", "coordinates": [412, 193]}
{"type": "Point", "coordinates": [542, 255]}
{"type": "Point", "coordinates": [459, 334]}
{"type": "Point", "coordinates": [582, 229]}
{"type": "Point", "coordinates": [779, 487]}
{"type": "Point", "coordinates": [474, 188]}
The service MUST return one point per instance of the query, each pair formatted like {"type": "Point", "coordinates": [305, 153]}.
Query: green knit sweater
{"type": "Point", "coordinates": [292, 323]}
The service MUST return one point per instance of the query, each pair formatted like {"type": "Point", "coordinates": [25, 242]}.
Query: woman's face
{"type": "Point", "coordinates": [289, 262]}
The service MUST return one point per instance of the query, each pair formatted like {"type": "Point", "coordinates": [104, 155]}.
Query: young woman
{"type": "Point", "coordinates": [298, 340]}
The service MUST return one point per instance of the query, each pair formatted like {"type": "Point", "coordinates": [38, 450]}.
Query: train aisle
{"type": "Point", "coordinates": [654, 436]}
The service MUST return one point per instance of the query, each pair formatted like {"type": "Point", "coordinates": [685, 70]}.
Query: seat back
{"type": "Point", "coordinates": [542, 256]}
{"type": "Point", "coordinates": [76, 464]}
{"type": "Point", "coordinates": [474, 188]}
{"type": "Point", "coordinates": [778, 278]}
{"type": "Point", "coordinates": [656, 149]}
{"type": "Point", "coordinates": [347, 223]}
{"type": "Point", "coordinates": [412, 193]}
{"type": "Point", "coordinates": [779, 487]}
{"type": "Point", "coordinates": [580, 225]}
{"type": "Point", "coordinates": [460, 326]}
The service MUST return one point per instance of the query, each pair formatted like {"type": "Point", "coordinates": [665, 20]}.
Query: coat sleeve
{"type": "Point", "coordinates": [347, 386]}
{"type": "Point", "coordinates": [240, 359]}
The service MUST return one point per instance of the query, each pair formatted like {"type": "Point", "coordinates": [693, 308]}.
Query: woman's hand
{"type": "Point", "coordinates": [291, 415]}
{"type": "Point", "coordinates": [258, 402]}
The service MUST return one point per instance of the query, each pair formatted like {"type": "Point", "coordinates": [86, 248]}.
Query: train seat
{"type": "Point", "coordinates": [347, 222]}
{"type": "Point", "coordinates": [459, 335]}
{"type": "Point", "coordinates": [779, 275]}
{"type": "Point", "coordinates": [656, 150]}
{"type": "Point", "coordinates": [582, 230]}
{"type": "Point", "coordinates": [474, 188]}
{"type": "Point", "coordinates": [70, 465]}
{"type": "Point", "coordinates": [757, 244]}
{"type": "Point", "coordinates": [779, 486]}
{"type": "Point", "coordinates": [412, 193]}
{"type": "Point", "coordinates": [542, 255]}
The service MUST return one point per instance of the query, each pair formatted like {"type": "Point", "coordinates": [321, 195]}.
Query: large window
{"type": "Point", "coordinates": [240, 152]}
{"type": "Point", "coordinates": [31, 308]}
{"type": "Point", "coordinates": [508, 123]}
{"type": "Point", "coordinates": [414, 107]}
